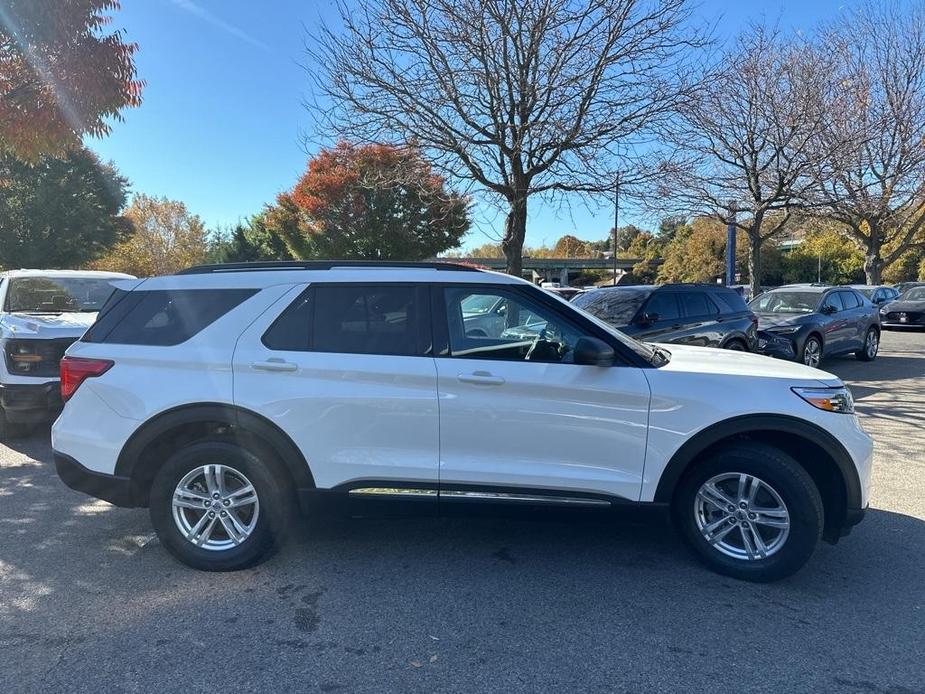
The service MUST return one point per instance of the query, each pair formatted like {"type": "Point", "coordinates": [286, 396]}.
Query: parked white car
{"type": "Point", "coordinates": [223, 397]}
{"type": "Point", "coordinates": [41, 313]}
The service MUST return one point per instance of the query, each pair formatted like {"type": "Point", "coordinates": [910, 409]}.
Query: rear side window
{"type": "Point", "coordinates": [849, 299]}
{"type": "Point", "coordinates": [730, 302]}
{"type": "Point", "coordinates": [367, 319]}
{"type": "Point", "coordinates": [697, 304]}
{"type": "Point", "coordinates": [163, 318]}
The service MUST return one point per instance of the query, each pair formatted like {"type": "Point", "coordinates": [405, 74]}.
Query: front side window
{"type": "Point", "coordinates": [57, 294]}
{"type": "Point", "coordinates": [365, 319]}
{"type": "Point", "coordinates": [662, 306]}
{"type": "Point", "coordinates": [833, 303]}
{"type": "Point", "coordinates": [515, 329]}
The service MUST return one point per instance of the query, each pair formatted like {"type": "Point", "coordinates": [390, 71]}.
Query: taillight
{"type": "Point", "coordinates": [76, 370]}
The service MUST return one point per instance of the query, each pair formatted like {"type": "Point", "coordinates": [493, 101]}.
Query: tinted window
{"type": "Point", "coordinates": [834, 301]}
{"type": "Point", "coordinates": [164, 318]}
{"type": "Point", "coordinates": [697, 304]}
{"type": "Point", "coordinates": [729, 302]}
{"type": "Point", "coordinates": [365, 319]}
{"type": "Point", "coordinates": [292, 330]}
{"type": "Point", "coordinates": [664, 304]}
{"type": "Point", "coordinates": [515, 329]}
{"type": "Point", "coordinates": [615, 306]}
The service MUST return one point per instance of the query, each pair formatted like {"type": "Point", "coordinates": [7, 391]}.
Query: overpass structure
{"type": "Point", "coordinates": [555, 269]}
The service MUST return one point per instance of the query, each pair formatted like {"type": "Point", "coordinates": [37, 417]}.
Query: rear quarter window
{"type": "Point", "coordinates": [730, 302]}
{"type": "Point", "coordinates": [164, 317]}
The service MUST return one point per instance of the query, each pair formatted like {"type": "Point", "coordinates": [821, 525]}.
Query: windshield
{"type": "Point", "coordinates": [917, 294]}
{"type": "Point", "coordinates": [786, 302]}
{"type": "Point", "coordinates": [57, 294]}
{"type": "Point", "coordinates": [616, 306]}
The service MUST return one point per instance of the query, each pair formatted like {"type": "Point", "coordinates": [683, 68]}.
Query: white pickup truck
{"type": "Point", "coordinates": [41, 313]}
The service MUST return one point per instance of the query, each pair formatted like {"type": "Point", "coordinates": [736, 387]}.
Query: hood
{"type": "Point", "coordinates": [709, 360]}
{"type": "Point", "coordinates": [900, 305]}
{"type": "Point", "coordinates": [46, 325]}
{"type": "Point", "coordinates": [778, 320]}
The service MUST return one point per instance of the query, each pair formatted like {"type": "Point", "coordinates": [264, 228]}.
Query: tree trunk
{"type": "Point", "coordinates": [754, 264]}
{"type": "Point", "coordinates": [515, 230]}
{"type": "Point", "coordinates": [873, 262]}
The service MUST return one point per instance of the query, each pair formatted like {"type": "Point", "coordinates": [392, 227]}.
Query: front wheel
{"type": "Point", "coordinates": [217, 507]}
{"type": "Point", "coordinates": [736, 346]}
{"type": "Point", "coordinates": [812, 351]}
{"type": "Point", "coordinates": [871, 346]}
{"type": "Point", "coordinates": [750, 511]}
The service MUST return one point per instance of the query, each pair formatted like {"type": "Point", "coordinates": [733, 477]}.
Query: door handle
{"type": "Point", "coordinates": [481, 378]}
{"type": "Point", "coordinates": [275, 365]}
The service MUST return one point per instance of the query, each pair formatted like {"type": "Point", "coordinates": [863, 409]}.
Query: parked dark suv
{"type": "Point", "coordinates": [705, 315]}
{"type": "Point", "coordinates": [812, 322]}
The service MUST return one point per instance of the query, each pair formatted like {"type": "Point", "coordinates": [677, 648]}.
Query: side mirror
{"type": "Point", "coordinates": [828, 309]}
{"type": "Point", "coordinates": [590, 351]}
{"type": "Point", "coordinates": [647, 318]}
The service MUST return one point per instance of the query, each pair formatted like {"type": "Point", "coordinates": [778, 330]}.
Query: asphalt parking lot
{"type": "Point", "coordinates": [90, 602]}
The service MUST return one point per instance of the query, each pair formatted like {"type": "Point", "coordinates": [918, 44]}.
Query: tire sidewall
{"type": "Point", "coordinates": [811, 338]}
{"type": "Point", "coordinates": [789, 480]}
{"type": "Point", "coordinates": [272, 497]}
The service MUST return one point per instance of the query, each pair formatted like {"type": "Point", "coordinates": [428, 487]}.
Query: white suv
{"type": "Point", "coordinates": [224, 397]}
{"type": "Point", "coordinates": [41, 313]}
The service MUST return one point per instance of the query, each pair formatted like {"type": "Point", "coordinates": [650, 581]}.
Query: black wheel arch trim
{"type": "Point", "coordinates": [745, 424]}
{"type": "Point", "coordinates": [223, 413]}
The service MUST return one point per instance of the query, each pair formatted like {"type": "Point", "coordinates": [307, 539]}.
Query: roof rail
{"type": "Point", "coordinates": [323, 265]}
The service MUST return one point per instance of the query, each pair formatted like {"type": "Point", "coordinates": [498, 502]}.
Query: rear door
{"type": "Point", "coordinates": [700, 316]}
{"type": "Point", "coordinates": [835, 325]}
{"type": "Point", "coordinates": [346, 371]}
{"type": "Point", "coordinates": [856, 316]}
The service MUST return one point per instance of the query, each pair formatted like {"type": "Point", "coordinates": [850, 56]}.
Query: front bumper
{"type": "Point", "coordinates": [112, 488]}
{"type": "Point", "coordinates": [28, 403]}
{"type": "Point", "coordinates": [773, 345]}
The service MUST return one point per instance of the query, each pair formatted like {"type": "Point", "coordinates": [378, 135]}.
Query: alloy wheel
{"type": "Point", "coordinates": [872, 344]}
{"type": "Point", "coordinates": [812, 352]}
{"type": "Point", "coordinates": [742, 516]}
{"type": "Point", "coordinates": [215, 507]}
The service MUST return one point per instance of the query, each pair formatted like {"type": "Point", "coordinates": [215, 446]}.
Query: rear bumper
{"type": "Point", "coordinates": [112, 488]}
{"type": "Point", "coordinates": [27, 403]}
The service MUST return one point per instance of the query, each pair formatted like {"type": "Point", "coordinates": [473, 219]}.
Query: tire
{"type": "Point", "coordinates": [736, 345]}
{"type": "Point", "coordinates": [264, 523]}
{"type": "Point", "coordinates": [812, 351]}
{"type": "Point", "coordinates": [871, 346]}
{"type": "Point", "coordinates": [788, 549]}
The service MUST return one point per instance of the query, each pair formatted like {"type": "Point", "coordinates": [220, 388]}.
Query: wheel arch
{"type": "Point", "coordinates": [166, 432]}
{"type": "Point", "coordinates": [815, 449]}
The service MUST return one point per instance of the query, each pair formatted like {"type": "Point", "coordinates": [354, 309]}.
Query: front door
{"type": "Point", "coordinates": [517, 414]}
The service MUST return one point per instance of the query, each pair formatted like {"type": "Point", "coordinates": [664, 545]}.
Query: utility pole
{"type": "Point", "coordinates": [731, 245]}
{"type": "Point", "coordinates": [616, 225]}
{"type": "Point", "coordinates": [819, 269]}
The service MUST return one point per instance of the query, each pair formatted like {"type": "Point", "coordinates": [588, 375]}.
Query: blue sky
{"type": "Point", "coordinates": [221, 123]}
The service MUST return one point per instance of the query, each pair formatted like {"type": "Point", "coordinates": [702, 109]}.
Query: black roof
{"type": "Point", "coordinates": [671, 285]}
{"type": "Point", "coordinates": [323, 265]}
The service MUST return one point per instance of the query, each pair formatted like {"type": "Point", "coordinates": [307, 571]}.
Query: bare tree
{"type": "Point", "coordinates": [521, 97]}
{"type": "Point", "coordinates": [876, 186]}
{"type": "Point", "coordinates": [749, 138]}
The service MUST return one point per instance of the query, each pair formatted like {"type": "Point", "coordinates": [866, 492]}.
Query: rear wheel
{"type": "Point", "coordinates": [217, 507]}
{"type": "Point", "coordinates": [750, 511]}
{"type": "Point", "coordinates": [871, 346]}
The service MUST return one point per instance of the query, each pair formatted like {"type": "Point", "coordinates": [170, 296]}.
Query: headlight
{"type": "Point", "coordinates": [828, 399]}
{"type": "Point", "coordinates": [785, 331]}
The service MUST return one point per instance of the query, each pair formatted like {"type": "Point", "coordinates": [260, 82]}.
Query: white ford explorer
{"type": "Point", "coordinates": [225, 397]}
{"type": "Point", "coordinates": [41, 313]}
